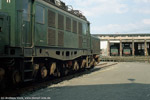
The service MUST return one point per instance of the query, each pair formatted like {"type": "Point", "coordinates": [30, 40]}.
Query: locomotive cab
{"type": "Point", "coordinates": [15, 34]}
{"type": "Point", "coordinates": [15, 26]}
{"type": "Point", "coordinates": [4, 25]}
{"type": "Point", "coordinates": [4, 32]}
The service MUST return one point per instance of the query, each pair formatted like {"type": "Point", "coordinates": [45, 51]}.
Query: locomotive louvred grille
{"type": "Point", "coordinates": [80, 41]}
{"type": "Point", "coordinates": [61, 22]}
{"type": "Point", "coordinates": [80, 28]}
{"type": "Point", "coordinates": [68, 24]}
{"type": "Point", "coordinates": [60, 38]}
{"type": "Point", "coordinates": [74, 26]}
{"type": "Point", "coordinates": [51, 18]}
{"type": "Point", "coordinates": [51, 37]}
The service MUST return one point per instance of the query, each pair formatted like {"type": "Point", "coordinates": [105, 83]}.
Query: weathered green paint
{"type": "Point", "coordinates": [4, 32]}
{"type": "Point", "coordinates": [24, 33]}
{"type": "Point", "coordinates": [70, 38]}
{"type": "Point", "coordinates": [9, 8]}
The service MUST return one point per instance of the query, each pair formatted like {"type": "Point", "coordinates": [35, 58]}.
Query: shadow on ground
{"type": "Point", "coordinates": [130, 91]}
{"type": "Point", "coordinates": [37, 85]}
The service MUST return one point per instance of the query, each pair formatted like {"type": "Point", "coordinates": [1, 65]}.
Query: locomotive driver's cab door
{"type": "Point", "coordinates": [27, 23]}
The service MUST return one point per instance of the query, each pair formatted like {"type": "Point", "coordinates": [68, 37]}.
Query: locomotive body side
{"type": "Point", "coordinates": [39, 39]}
{"type": "Point", "coordinates": [61, 32]}
{"type": "Point", "coordinates": [7, 25]}
{"type": "Point", "coordinates": [95, 48]}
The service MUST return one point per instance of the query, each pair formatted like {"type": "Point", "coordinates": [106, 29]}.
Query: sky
{"type": "Point", "coordinates": [115, 16]}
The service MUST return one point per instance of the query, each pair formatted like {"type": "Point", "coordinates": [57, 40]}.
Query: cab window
{"type": "Point", "coordinates": [84, 29]}
{"type": "Point", "coordinates": [39, 15]}
{"type": "Point", "coordinates": [26, 9]}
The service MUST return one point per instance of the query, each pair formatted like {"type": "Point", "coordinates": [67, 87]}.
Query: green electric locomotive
{"type": "Point", "coordinates": [127, 51]}
{"type": "Point", "coordinates": [41, 38]}
{"type": "Point", "coordinates": [114, 51]}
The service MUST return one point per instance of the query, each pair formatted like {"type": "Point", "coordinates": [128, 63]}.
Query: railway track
{"type": "Point", "coordinates": [34, 86]}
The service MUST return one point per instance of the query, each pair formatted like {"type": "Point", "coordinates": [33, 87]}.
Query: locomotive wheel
{"type": "Point", "coordinates": [52, 68]}
{"type": "Point", "coordinates": [76, 66]}
{"type": "Point", "coordinates": [35, 70]}
{"type": "Point", "coordinates": [57, 73]}
{"type": "Point", "coordinates": [87, 62]}
{"type": "Point", "coordinates": [83, 63]}
{"type": "Point", "coordinates": [16, 77]}
{"type": "Point", "coordinates": [43, 72]}
{"type": "Point", "coordinates": [95, 63]}
{"type": "Point", "coordinates": [91, 63]}
{"type": "Point", "coordinates": [98, 60]}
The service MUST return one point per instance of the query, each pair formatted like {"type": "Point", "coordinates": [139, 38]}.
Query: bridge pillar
{"type": "Point", "coordinates": [133, 49]}
{"type": "Point", "coordinates": [120, 47]}
{"type": "Point", "coordinates": [146, 53]}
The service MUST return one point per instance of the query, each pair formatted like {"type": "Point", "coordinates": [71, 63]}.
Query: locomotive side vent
{"type": "Point", "coordinates": [60, 21]}
{"type": "Point", "coordinates": [51, 37]}
{"type": "Point", "coordinates": [51, 19]}
{"type": "Point", "coordinates": [74, 26]}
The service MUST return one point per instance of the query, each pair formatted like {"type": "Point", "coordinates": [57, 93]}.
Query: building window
{"type": "Point", "coordinates": [39, 15]}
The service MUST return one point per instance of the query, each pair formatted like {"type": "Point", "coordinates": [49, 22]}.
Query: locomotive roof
{"type": "Point", "coordinates": [124, 34]}
{"type": "Point", "coordinates": [63, 6]}
{"type": "Point", "coordinates": [95, 37]}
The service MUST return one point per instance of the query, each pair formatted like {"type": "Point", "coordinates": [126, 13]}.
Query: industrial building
{"type": "Point", "coordinates": [125, 44]}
